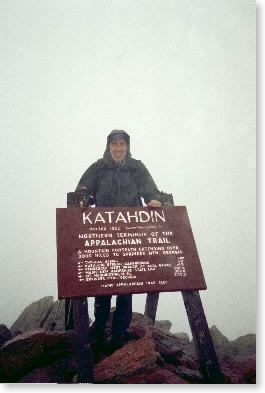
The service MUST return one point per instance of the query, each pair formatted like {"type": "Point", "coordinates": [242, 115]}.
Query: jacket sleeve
{"type": "Point", "coordinates": [148, 188]}
{"type": "Point", "coordinates": [87, 182]}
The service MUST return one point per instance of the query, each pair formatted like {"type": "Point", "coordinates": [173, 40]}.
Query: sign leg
{"type": "Point", "coordinates": [83, 349]}
{"type": "Point", "coordinates": [207, 357]}
{"type": "Point", "coordinates": [151, 305]}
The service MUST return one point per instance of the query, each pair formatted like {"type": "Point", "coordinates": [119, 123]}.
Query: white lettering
{"type": "Point", "coordinates": [132, 216]}
{"type": "Point", "coordinates": [100, 218]}
{"type": "Point", "coordinates": [162, 218]}
{"type": "Point", "coordinates": [141, 213]}
{"type": "Point", "coordinates": [109, 216]}
{"type": "Point", "coordinates": [86, 218]}
{"type": "Point", "coordinates": [121, 218]}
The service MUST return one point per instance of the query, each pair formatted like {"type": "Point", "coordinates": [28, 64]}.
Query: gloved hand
{"type": "Point", "coordinates": [81, 197]}
{"type": "Point", "coordinates": [154, 203]}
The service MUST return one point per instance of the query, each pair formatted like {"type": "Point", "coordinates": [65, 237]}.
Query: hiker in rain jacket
{"type": "Point", "coordinates": [116, 180]}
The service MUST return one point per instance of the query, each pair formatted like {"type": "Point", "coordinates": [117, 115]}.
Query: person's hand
{"type": "Point", "coordinates": [80, 198]}
{"type": "Point", "coordinates": [154, 203]}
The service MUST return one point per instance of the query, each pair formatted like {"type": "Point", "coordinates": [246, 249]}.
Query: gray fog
{"type": "Point", "coordinates": [179, 77]}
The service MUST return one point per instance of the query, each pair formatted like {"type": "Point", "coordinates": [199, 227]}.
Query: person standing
{"type": "Point", "coordinates": [116, 180]}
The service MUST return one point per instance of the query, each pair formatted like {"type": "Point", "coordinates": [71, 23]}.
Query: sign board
{"type": "Point", "coordinates": [110, 251]}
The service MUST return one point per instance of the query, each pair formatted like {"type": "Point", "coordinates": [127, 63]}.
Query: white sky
{"type": "Point", "coordinates": [179, 77]}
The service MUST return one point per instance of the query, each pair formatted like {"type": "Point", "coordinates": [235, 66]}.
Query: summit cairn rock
{"type": "Point", "coordinates": [61, 371]}
{"type": "Point", "coordinates": [41, 315]}
{"type": "Point", "coordinates": [164, 325]}
{"type": "Point", "coordinates": [183, 336]}
{"type": "Point", "coordinates": [56, 318]}
{"type": "Point", "coordinates": [33, 317]}
{"type": "Point", "coordinates": [244, 346]}
{"type": "Point", "coordinates": [151, 354]}
{"type": "Point", "coordinates": [134, 358]}
{"type": "Point", "coordinates": [31, 350]}
{"type": "Point", "coordinates": [221, 343]}
{"type": "Point", "coordinates": [174, 350]}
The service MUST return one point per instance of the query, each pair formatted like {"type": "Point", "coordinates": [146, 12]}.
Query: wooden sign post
{"type": "Point", "coordinates": [114, 251]}
{"type": "Point", "coordinates": [76, 316]}
{"type": "Point", "coordinates": [207, 357]}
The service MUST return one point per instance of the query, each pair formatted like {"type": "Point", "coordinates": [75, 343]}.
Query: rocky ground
{"type": "Point", "coordinates": [31, 353]}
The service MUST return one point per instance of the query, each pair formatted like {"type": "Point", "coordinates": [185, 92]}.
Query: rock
{"type": "Point", "coordinates": [171, 356]}
{"type": "Point", "coordinates": [218, 338]}
{"type": "Point", "coordinates": [234, 355]}
{"type": "Point", "coordinates": [5, 334]}
{"type": "Point", "coordinates": [137, 331]}
{"type": "Point", "coordinates": [161, 376]}
{"type": "Point", "coordinates": [33, 316]}
{"type": "Point", "coordinates": [164, 325]}
{"type": "Point", "coordinates": [189, 361]}
{"type": "Point", "coordinates": [57, 316]}
{"type": "Point", "coordinates": [138, 319]}
{"type": "Point", "coordinates": [34, 349]}
{"type": "Point", "coordinates": [249, 371]}
{"type": "Point", "coordinates": [152, 354]}
{"type": "Point", "coordinates": [175, 350]}
{"type": "Point", "coordinates": [142, 320]}
{"type": "Point", "coordinates": [244, 346]}
{"type": "Point", "coordinates": [134, 358]}
{"type": "Point", "coordinates": [61, 371]}
{"type": "Point", "coordinates": [221, 343]}
{"type": "Point", "coordinates": [135, 379]}
{"type": "Point", "coordinates": [183, 337]}
{"type": "Point", "coordinates": [192, 376]}
{"type": "Point", "coordinates": [169, 367]}
{"type": "Point", "coordinates": [169, 346]}
{"type": "Point", "coordinates": [166, 340]}
{"type": "Point", "coordinates": [239, 372]}
{"type": "Point", "coordinates": [158, 376]}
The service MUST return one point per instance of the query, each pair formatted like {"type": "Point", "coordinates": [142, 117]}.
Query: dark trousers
{"type": "Point", "coordinates": [121, 317]}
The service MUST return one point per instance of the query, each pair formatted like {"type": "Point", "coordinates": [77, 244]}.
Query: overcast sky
{"type": "Point", "coordinates": [179, 77]}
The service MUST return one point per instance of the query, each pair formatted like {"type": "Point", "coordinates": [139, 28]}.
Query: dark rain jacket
{"type": "Point", "coordinates": [118, 184]}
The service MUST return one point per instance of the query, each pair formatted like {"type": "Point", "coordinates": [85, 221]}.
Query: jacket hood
{"type": "Point", "coordinates": [117, 134]}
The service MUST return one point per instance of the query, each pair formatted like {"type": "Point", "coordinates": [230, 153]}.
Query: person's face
{"type": "Point", "coordinates": [118, 149]}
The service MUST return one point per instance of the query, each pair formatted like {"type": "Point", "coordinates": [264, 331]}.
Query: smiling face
{"type": "Point", "coordinates": [118, 149]}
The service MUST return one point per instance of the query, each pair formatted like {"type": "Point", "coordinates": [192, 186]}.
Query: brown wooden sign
{"type": "Point", "coordinates": [109, 251]}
